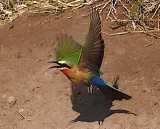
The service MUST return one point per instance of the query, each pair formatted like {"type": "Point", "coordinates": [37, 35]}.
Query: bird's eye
{"type": "Point", "coordinates": [68, 66]}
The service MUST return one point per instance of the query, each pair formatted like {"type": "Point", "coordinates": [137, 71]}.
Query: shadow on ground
{"type": "Point", "coordinates": [92, 106]}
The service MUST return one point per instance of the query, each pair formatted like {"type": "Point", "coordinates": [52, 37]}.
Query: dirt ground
{"type": "Point", "coordinates": [35, 97]}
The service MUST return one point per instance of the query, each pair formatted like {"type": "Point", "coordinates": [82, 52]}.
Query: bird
{"type": "Point", "coordinates": [81, 63]}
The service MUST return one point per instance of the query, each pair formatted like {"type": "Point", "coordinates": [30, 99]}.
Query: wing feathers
{"type": "Point", "coordinates": [93, 51]}
{"type": "Point", "coordinates": [67, 49]}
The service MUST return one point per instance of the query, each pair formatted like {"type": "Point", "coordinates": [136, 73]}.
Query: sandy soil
{"type": "Point", "coordinates": [34, 97]}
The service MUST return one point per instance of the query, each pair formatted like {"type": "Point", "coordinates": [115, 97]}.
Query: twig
{"type": "Point", "coordinates": [104, 6]}
{"type": "Point", "coordinates": [134, 26]}
{"type": "Point", "coordinates": [39, 60]}
{"type": "Point", "coordinates": [156, 11]}
{"type": "Point", "coordinates": [150, 43]}
{"type": "Point", "coordinates": [114, 17]}
{"type": "Point", "coordinates": [112, 8]}
{"type": "Point", "coordinates": [158, 21]}
{"type": "Point", "coordinates": [21, 113]}
{"type": "Point", "coordinates": [125, 8]}
{"type": "Point", "coordinates": [120, 33]}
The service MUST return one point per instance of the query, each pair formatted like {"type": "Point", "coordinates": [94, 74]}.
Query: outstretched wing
{"type": "Point", "coordinates": [67, 49]}
{"type": "Point", "coordinates": [93, 49]}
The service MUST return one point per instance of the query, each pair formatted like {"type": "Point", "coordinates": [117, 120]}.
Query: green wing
{"type": "Point", "coordinates": [92, 54]}
{"type": "Point", "coordinates": [67, 49]}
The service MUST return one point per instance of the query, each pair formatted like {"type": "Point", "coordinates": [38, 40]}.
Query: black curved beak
{"type": "Point", "coordinates": [55, 63]}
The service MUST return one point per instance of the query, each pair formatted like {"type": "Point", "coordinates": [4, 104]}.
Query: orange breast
{"type": "Point", "coordinates": [77, 76]}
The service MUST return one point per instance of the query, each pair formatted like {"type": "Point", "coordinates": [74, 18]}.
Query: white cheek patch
{"type": "Point", "coordinates": [63, 68]}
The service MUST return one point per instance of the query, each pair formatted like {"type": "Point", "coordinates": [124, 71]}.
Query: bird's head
{"type": "Point", "coordinates": [60, 65]}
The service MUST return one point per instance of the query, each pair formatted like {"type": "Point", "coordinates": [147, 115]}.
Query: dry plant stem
{"type": "Point", "coordinates": [120, 33]}
{"type": "Point", "coordinates": [104, 6]}
{"type": "Point", "coordinates": [158, 21]}
{"type": "Point", "coordinates": [156, 11]}
{"type": "Point", "coordinates": [125, 8]}
{"type": "Point", "coordinates": [134, 26]}
{"type": "Point", "coordinates": [112, 9]}
{"type": "Point", "coordinates": [21, 113]}
{"type": "Point", "coordinates": [114, 17]}
{"type": "Point", "coordinates": [150, 43]}
{"type": "Point", "coordinates": [111, 19]}
{"type": "Point", "coordinates": [126, 16]}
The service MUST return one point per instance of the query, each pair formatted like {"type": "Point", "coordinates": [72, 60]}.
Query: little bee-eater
{"type": "Point", "coordinates": [81, 64]}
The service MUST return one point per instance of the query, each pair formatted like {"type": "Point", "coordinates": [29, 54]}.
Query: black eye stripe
{"type": "Point", "coordinates": [65, 65]}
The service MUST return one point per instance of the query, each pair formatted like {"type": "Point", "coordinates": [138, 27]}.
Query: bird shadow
{"type": "Point", "coordinates": [92, 106]}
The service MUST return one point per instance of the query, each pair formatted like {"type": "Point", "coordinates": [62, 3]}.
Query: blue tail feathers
{"type": "Point", "coordinates": [109, 91]}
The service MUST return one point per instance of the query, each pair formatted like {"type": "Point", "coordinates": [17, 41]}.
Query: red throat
{"type": "Point", "coordinates": [65, 71]}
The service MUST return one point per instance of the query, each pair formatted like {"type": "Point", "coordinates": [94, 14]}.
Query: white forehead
{"type": "Point", "coordinates": [61, 62]}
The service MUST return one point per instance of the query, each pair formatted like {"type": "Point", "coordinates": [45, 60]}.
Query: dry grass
{"type": "Point", "coordinates": [11, 9]}
{"type": "Point", "coordinates": [131, 15]}
{"type": "Point", "coordinates": [134, 16]}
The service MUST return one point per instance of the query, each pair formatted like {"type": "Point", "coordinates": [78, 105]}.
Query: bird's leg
{"type": "Point", "coordinates": [90, 89]}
